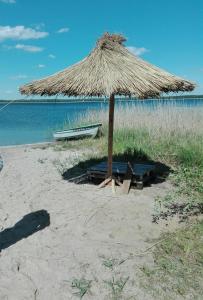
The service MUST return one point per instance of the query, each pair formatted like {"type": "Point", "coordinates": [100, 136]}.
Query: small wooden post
{"type": "Point", "coordinates": [110, 135]}
{"type": "Point", "coordinates": [127, 179]}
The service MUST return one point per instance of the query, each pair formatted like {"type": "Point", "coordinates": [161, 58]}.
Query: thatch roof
{"type": "Point", "coordinates": [109, 69]}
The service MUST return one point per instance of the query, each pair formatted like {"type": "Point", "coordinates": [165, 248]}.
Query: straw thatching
{"type": "Point", "coordinates": [109, 69]}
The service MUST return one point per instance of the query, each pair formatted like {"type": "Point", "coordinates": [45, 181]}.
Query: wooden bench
{"type": "Point", "coordinates": [137, 173]}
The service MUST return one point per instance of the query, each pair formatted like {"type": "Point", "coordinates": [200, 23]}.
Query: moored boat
{"type": "Point", "coordinates": [79, 132]}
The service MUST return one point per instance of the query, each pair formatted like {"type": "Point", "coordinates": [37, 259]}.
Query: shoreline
{"type": "Point", "coordinates": [28, 145]}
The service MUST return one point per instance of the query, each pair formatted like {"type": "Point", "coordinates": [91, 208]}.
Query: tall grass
{"type": "Point", "coordinates": [169, 119]}
{"type": "Point", "coordinates": [169, 134]}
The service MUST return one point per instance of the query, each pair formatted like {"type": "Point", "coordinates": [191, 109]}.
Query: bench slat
{"type": "Point", "coordinates": [121, 168]}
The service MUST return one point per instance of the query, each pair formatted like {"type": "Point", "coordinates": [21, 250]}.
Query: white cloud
{"type": "Point", "coordinates": [63, 30]}
{"type": "Point", "coordinates": [8, 1]}
{"type": "Point", "coordinates": [137, 51]}
{"type": "Point", "coordinates": [28, 48]}
{"type": "Point", "coordinates": [19, 76]}
{"type": "Point", "coordinates": [38, 26]}
{"type": "Point", "coordinates": [40, 66]}
{"type": "Point", "coordinates": [52, 56]}
{"type": "Point", "coordinates": [20, 33]}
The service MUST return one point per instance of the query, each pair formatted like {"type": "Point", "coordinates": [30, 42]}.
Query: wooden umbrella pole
{"type": "Point", "coordinates": [110, 135]}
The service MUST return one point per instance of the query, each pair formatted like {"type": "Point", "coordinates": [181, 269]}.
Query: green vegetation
{"type": "Point", "coordinates": [109, 263]}
{"type": "Point", "coordinates": [112, 263]}
{"type": "Point", "coordinates": [82, 286]}
{"type": "Point", "coordinates": [116, 286]}
{"type": "Point", "coordinates": [178, 269]}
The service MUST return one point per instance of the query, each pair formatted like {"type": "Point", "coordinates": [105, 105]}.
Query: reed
{"type": "Point", "coordinates": [171, 135]}
{"type": "Point", "coordinates": [156, 120]}
{"type": "Point", "coordinates": [167, 132]}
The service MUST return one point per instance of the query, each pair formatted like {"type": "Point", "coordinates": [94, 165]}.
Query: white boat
{"type": "Point", "coordinates": [79, 132]}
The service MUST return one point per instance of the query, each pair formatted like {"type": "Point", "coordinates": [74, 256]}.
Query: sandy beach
{"type": "Point", "coordinates": [88, 227]}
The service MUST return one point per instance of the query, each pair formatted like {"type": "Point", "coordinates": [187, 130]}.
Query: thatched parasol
{"type": "Point", "coordinates": [109, 70]}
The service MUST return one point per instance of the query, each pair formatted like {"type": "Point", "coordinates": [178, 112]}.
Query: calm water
{"type": "Point", "coordinates": [31, 123]}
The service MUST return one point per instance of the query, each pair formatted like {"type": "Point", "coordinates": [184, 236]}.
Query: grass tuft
{"type": "Point", "coordinates": [178, 265]}
{"type": "Point", "coordinates": [82, 286]}
{"type": "Point", "coordinates": [117, 286]}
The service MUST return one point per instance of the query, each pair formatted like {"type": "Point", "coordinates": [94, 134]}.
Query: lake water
{"type": "Point", "coordinates": [35, 122]}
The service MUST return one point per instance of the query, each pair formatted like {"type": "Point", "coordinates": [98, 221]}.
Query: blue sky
{"type": "Point", "coordinates": [40, 37]}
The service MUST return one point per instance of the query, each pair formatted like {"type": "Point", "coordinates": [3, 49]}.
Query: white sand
{"type": "Point", "coordinates": [86, 224]}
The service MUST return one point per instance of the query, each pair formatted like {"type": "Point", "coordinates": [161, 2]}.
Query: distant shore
{"type": "Point", "coordinates": [75, 100]}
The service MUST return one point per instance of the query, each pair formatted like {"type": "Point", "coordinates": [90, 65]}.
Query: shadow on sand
{"type": "Point", "coordinates": [133, 156]}
{"type": "Point", "coordinates": [28, 225]}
